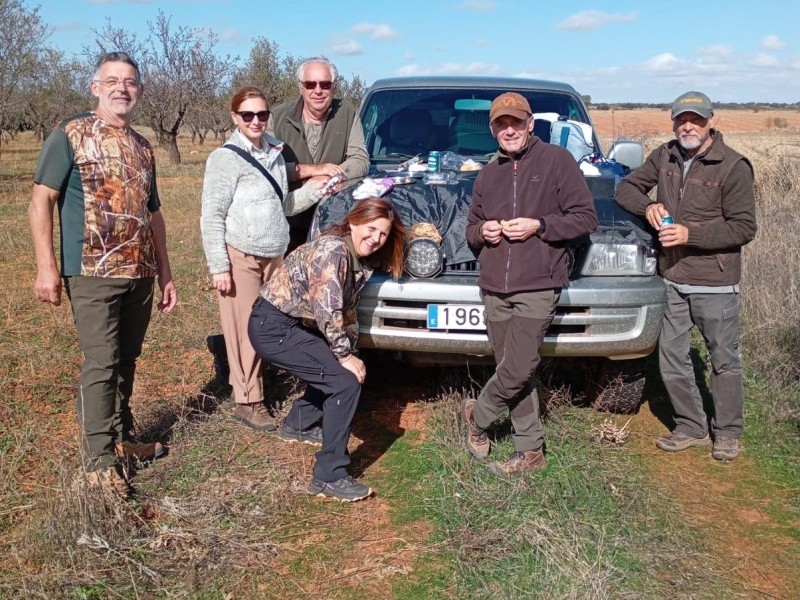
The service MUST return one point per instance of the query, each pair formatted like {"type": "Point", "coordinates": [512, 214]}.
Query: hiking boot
{"type": "Point", "coordinates": [725, 448]}
{"type": "Point", "coordinates": [519, 462]}
{"type": "Point", "coordinates": [311, 436]}
{"type": "Point", "coordinates": [108, 480]}
{"type": "Point", "coordinates": [477, 439]}
{"type": "Point", "coordinates": [255, 415]}
{"type": "Point", "coordinates": [675, 442]}
{"type": "Point", "coordinates": [140, 451]}
{"type": "Point", "coordinates": [346, 489]}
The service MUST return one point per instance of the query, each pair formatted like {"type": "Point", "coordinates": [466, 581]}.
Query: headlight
{"type": "Point", "coordinates": [619, 259]}
{"type": "Point", "coordinates": [424, 258]}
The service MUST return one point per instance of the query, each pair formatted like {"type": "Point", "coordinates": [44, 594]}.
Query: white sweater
{"type": "Point", "coordinates": [240, 207]}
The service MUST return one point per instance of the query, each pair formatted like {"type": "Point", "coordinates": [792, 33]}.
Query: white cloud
{"type": "Point", "coordinates": [481, 42]}
{"type": "Point", "coordinates": [794, 63]}
{"type": "Point", "coordinates": [452, 68]}
{"type": "Point", "coordinates": [408, 56]}
{"type": "Point", "coordinates": [346, 48]}
{"type": "Point", "coordinates": [718, 50]}
{"type": "Point", "coordinates": [588, 20]}
{"type": "Point", "coordinates": [773, 42]}
{"type": "Point", "coordinates": [661, 62]}
{"type": "Point", "coordinates": [481, 5]}
{"type": "Point", "coordinates": [230, 35]}
{"type": "Point", "coordinates": [376, 31]}
{"type": "Point", "coordinates": [763, 60]}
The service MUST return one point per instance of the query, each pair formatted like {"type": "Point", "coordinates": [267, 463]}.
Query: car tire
{"type": "Point", "coordinates": [617, 386]}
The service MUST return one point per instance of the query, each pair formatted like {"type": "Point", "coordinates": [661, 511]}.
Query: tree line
{"type": "Point", "coordinates": [187, 83]}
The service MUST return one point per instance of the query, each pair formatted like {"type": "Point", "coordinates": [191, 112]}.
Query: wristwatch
{"type": "Point", "coordinates": [542, 227]}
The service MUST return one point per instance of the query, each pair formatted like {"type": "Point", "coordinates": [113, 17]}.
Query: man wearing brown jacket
{"type": "Point", "coordinates": [707, 189]}
{"type": "Point", "coordinates": [524, 205]}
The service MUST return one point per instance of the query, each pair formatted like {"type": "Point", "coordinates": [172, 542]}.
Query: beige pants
{"type": "Point", "coordinates": [248, 272]}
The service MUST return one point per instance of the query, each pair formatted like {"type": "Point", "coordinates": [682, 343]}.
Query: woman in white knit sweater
{"type": "Point", "coordinates": [245, 235]}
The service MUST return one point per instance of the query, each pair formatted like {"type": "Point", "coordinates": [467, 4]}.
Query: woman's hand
{"type": "Point", "coordinates": [356, 366]}
{"type": "Point", "coordinates": [223, 283]}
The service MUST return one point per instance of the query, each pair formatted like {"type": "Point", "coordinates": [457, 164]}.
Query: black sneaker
{"type": "Point", "coordinates": [346, 489]}
{"type": "Point", "coordinates": [311, 436]}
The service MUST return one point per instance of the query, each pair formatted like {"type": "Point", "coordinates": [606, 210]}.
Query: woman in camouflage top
{"type": "Point", "coordinates": [305, 322]}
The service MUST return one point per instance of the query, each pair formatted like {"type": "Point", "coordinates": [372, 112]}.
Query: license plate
{"type": "Point", "coordinates": [455, 316]}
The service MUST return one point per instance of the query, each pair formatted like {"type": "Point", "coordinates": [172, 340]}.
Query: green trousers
{"type": "Point", "coordinates": [111, 318]}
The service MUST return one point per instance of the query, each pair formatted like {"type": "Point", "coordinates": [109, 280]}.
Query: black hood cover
{"type": "Point", "coordinates": [446, 207]}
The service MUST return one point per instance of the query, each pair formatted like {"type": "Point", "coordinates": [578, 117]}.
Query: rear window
{"type": "Point", "coordinates": [400, 123]}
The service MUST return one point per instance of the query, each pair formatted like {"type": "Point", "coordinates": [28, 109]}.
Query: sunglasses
{"type": "Point", "coordinates": [248, 115]}
{"type": "Point", "coordinates": [311, 85]}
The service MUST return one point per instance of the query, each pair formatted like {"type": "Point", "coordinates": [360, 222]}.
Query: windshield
{"type": "Point", "coordinates": [401, 123]}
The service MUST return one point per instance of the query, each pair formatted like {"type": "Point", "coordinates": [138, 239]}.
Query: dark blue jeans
{"type": "Point", "coordinates": [332, 392]}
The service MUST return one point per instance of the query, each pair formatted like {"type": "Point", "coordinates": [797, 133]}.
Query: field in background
{"type": "Point", "coordinates": [223, 515]}
{"type": "Point", "coordinates": [634, 123]}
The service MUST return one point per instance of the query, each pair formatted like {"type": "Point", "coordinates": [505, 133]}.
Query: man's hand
{"type": "Point", "coordinates": [356, 366]}
{"type": "Point", "coordinates": [327, 170]}
{"type": "Point", "coordinates": [169, 295]}
{"type": "Point", "coordinates": [48, 286]}
{"type": "Point", "coordinates": [223, 282]}
{"type": "Point", "coordinates": [520, 229]}
{"type": "Point", "coordinates": [673, 235]}
{"type": "Point", "coordinates": [654, 213]}
{"type": "Point", "coordinates": [492, 232]}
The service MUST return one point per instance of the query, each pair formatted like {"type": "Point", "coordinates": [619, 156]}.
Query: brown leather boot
{"type": "Point", "coordinates": [255, 415]}
{"type": "Point", "coordinates": [519, 462]}
{"type": "Point", "coordinates": [109, 481]}
{"type": "Point", "coordinates": [477, 439]}
{"type": "Point", "coordinates": [140, 451]}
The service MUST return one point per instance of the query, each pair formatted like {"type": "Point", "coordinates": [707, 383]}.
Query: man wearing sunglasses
{"type": "Point", "coordinates": [322, 137]}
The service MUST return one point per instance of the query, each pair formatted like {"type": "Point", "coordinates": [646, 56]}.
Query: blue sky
{"type": "Point", "coordinates": [621, 51]}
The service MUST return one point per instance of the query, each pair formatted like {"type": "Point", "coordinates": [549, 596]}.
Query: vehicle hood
{"type": "Point", "coordinates": [446, 207]}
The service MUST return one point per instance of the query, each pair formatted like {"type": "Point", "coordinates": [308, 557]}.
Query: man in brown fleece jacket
{"type": "Point", "coordinates": [707, 189]}
{"type": "Point", "coordinates": [524, 206]}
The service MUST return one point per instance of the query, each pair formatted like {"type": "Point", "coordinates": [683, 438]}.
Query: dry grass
{"type": "Point", "coordinates": [222, 515]}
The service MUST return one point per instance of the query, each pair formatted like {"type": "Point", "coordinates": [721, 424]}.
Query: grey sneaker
{"type": "Point", "coordinates": [675, 442]}
{"type": "Point", "coordinates": [725, 448]}
{"type": "Point", "coordinates": [477, 438]}
{"type": "Point", "coordinates": [311, 436]}
{"type": "Point", "coordinates": [346, 489]}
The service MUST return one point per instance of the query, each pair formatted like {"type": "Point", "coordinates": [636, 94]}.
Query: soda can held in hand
{"type": "Point", "coordinates": [667, 220]}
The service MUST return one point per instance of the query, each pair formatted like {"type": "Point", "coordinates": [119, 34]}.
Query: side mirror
{"type": "Point", "coordinates": [630, 154]}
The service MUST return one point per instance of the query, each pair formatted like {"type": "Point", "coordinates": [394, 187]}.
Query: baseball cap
{"type": "Point", "coordinates": [512, 104]}
{"type": "Point", "coordinates": [696, 102]}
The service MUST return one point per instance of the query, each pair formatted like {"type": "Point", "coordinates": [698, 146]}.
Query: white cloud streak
{"type": "Point", "coordinates": [589, 20]}
{"type": "Point", "coordinates": [376, 31]}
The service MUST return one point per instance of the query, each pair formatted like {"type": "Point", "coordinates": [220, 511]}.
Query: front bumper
{"type": "Point", "coordinates": [613, 317]}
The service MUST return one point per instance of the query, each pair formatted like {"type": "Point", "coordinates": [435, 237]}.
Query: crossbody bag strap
{"type": "Point", "coordinates": [258, 166]}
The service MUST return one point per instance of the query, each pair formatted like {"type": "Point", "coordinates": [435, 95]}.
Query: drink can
{"type": "Point", "coordinates": [434, 161]}
{"type": "Point", "coordinates": [667, 220]}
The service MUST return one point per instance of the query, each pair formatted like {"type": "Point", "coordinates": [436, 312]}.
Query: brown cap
{"type": "Point", "coordinates": [512, 104]}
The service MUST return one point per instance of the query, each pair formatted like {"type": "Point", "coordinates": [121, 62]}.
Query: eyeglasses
{"type": "Point", "coordinates": [311, 85]}
{"type": "Point", "coordinates": [248, 115]}
{"type": "Point", "coordinates": [128, 84]}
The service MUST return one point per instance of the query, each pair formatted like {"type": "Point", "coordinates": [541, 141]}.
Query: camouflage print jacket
{"type": "Point", "coordinates": [319, 284]}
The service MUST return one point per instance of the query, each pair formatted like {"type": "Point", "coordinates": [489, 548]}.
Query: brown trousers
{"type": "Point", "coordinates": [248, 272]}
